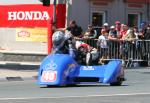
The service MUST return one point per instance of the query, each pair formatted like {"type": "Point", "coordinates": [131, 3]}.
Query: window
{"type": "Point", "coordinates": [98, 18]}
{"type": "Point", "coordinates": [133, 20]}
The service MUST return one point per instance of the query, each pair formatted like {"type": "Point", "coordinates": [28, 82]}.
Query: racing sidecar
{"type": "Point", "coordinates": [62, 70]}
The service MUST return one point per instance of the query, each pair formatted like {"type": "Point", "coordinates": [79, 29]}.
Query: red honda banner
{"type": "Point", "coordinates": [30, 15]}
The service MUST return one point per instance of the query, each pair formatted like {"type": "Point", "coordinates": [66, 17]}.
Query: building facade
{"type": "Point", "coordinates": [97, 12]}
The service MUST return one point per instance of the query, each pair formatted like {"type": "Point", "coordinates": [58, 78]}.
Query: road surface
{"type": "Point", "coordinates": [135, 90]}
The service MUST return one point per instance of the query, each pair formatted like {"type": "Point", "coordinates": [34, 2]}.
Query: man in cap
{"type": "Point", "coordinates": [112, 33]}
{"type": "Point", "coordinates": [113, 42]}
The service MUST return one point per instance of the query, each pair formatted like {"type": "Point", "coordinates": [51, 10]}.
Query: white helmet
{"type": "Point", "coordinates": [58, 38]}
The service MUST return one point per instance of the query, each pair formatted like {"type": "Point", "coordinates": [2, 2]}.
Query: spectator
{"type": "Point", "coordinates": [123, 31]}
{"type": "Point", "coordinates": [136, 32]}
{"type": "Point", "coordinates": [118, 27]}
{"type": "Point", "coordinates": [142, 30]}
{"type": "Point", "coordinates": [123, 44]}
{"type": "Point", "coordinates": [112, 34]}
{"type": "Point", "coordinates": [147, 33]}
{"type": "Point", "coordinates": [131, 43]}
{"type": "Point", "coordinates": [130, 36]}
{"type": "Point", "coordinates": [90, 33]}
{"type": "Point", "coordinates": [138, 43]}
{"type": "Point", "coordinates": [146, 43]}
{"type": "Point", "coordinates": [143, 25]}
{"type": "Point", "coordinates": [74, 29]}
{"type": "Point", "coordinates": [102, 42]}
{"type": "Point", "coordinates": [113, 42]}
{"type": "Point", "coordinates": [106, 27]}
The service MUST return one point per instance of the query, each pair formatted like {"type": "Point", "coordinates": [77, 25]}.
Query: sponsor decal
{"type": "Point", "coordinates": [28, 15]}
{"type": "Point", "coordinates": [70, 68]}
{"type": "Point", "coordinates": [23, 34]}
{"type": "Point", "coordinates": [88, 68]}
{"type": "Point", "coordinates": [31, 34]}
{"type": "Point", "coordinates": [50, 66]}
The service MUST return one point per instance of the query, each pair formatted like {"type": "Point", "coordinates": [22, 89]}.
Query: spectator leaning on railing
{"type": "Point", "coordinates": [106, 27]}
{"type": "Point", "coordinates": [147, 33]}
{"type": "Point", "coordinates": [118, 27]}
{"type": "Point", "coordinates": [123, 32]}
{"type": "Point", "coordinates": [130, 36]}
{"type": "Point", "coordinates": [113, 42]}
{"type": "Point", "coordinates": [146, 44]}
{"type": "Point", "coordinates": [142, 30]}
{"type": "Point", "coordinates": [113, 34]}
{"type": "Point", "coordinates": [136, 32]}
{"type": "Point", "coordinates": [90, 32]}
{"type": "Point", "coordinates": [102, 40]}
{"type": "Point", "coordinates": [74, 29]}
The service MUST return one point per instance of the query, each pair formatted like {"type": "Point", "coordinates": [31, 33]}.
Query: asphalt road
{"type": "Point", "coordinates": [135, 90]}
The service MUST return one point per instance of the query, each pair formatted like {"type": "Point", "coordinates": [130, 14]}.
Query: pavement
{"type": "Point", "coordinates": [17, 75]}
{"type": "Point", "coordinates": [18, 71]}
{"type": "Point", "coordinates": [19, 65]}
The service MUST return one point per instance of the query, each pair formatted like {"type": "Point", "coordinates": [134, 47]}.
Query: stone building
{"type": "Point", "coordinates": [97, 12]}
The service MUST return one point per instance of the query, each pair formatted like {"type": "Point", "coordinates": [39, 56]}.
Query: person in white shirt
{"type": "Point", "coordinates": [102, 44]}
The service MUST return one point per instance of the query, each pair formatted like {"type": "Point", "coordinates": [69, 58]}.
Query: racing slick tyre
{"type": "Point", "coordinates": [118, 82]}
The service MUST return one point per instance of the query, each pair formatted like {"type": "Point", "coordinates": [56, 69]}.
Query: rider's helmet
{"type": "Point", "coordinates": [58, 38]}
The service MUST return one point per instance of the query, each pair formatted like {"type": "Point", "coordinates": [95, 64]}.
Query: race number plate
{"type": "Point", "coordinates": [49, 76]}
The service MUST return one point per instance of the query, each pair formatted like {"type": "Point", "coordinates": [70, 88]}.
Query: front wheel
{"type": "Point", "coordinates": [117, 83]}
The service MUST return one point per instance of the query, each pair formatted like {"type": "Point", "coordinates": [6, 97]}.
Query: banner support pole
{"type": "Point", "coordinates": [49, 35]}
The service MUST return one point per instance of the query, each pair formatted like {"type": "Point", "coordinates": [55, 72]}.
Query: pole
{"type": "Point", "coordinates": [54, 11]}
{"type": "Point", "coordinates": [68, 11]}
{"type": "Point", "coordinates": [148, 10]}
{"type": "Point", "coordinates": [49, 35]}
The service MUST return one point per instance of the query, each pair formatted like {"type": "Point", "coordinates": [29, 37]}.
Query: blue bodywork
{"type": "Point", "coordinates": [62, 69]}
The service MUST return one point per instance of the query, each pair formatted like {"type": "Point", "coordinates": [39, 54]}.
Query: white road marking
{"type": "Point", "coordinates": [84, 96]}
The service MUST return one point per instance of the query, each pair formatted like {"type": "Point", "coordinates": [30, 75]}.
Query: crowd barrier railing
{"type": "Point", "coordinates": [136, 50]}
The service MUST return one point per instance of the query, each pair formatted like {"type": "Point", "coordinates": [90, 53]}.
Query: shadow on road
{"type": "Point", "coordinates": [89, 85]}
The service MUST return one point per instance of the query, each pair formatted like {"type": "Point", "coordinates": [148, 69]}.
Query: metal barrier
{"type": "Point", "coordinates": [129, 51]}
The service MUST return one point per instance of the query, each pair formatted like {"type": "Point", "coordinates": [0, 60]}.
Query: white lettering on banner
{"type": "Point", "coordinates": [12, 15]}
{"type": "Point", "coordinates": [45, 16]}
{"type": "Point", "coordinates": [37, 15]}
{"type": "Point", "coordinates": [20, 15]}
{"type": "Point", "coordinates": [28, 15]}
